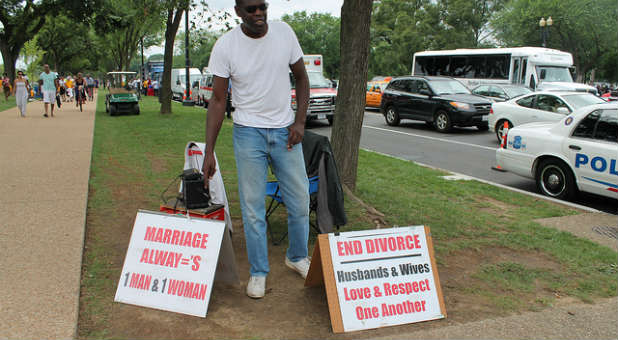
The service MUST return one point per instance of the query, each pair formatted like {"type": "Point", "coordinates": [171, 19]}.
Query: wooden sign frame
{"type": "Point", "coordinates": [321, 272]}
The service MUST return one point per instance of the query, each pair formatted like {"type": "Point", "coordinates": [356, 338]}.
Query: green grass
{"type": "Point", "coordinates": [135, 157]}
{"type": "Point", "coordinates": [5, 105]}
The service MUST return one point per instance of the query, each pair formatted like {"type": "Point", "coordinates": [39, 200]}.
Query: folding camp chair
{"type": "Point", "coordinates": [272, 191]}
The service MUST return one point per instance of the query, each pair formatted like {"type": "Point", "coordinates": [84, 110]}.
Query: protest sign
{"type": "Point", "coordinates": [378, 278]}
{"type": "Point", "coordinates": [170, 263]}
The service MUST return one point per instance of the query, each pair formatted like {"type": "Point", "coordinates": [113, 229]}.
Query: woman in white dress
{"type": "Point", "coordinates": [21, 90]}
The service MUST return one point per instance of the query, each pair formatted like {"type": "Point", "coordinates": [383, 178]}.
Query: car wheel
{"type": "Point", "coordinates": [136, 109]}
{"type": "Point", "coordinates": [500, 129]}
{"type": "Point", "coordinates": [107, 107]}
{"type": "Point", "coordinates": [442, 122]}
{"type": "Point", "coordinates": [330, 120]}
{"type": "Point", "coordinates": [555, 179]}
{"type": "Point", "coordinates": [112, 109]}
{"type": "Point", "coordinates": [392, 117]}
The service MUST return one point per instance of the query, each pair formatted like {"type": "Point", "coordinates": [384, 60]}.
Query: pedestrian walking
{"type": "Point", "coordinates": [6, 86]}
{"type": "Point", "coordinates": [90, 87]}
{"type": "Point", "coordinates": [69, 86]}
{"type": "Point", "coordinates": [21, 91]}
{"type": "Point", "coordinates": [62, 88]}
{"type": "Point", "coordinates": [49, 84]}
{"type": "Point", "coordinates": [256, 57]}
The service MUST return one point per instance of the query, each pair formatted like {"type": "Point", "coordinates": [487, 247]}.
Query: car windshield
{"type": "Point", "coordinates": [316, 81]}
{"type": "Point", "coordinates": [581, 100]}
{"type": "Point", "coordinates": [516, 91]}
{"type": "Point", "coordinates": [448, 87]}
{"type": "Point", "coordinates": [554, 73]}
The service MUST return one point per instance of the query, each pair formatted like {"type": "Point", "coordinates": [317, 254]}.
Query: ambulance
{"type": "Point", "coordinates": [322, 92]}
{"type": "Point", "coordinates": [577, 153]}
{"type": "Point", "coordinates": [205, 91]}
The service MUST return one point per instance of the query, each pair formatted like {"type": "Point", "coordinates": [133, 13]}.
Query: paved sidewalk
{"type": "Point", "coordinates": [44, 167]}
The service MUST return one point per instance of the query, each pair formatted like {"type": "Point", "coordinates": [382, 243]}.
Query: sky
{"type": "Point", "coordinates": [276, 9]}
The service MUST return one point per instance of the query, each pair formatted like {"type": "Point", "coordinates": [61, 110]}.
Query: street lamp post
{"type": "Point", "coordinates": [545, 25]}
{"type": "Point", "coordinates": [188, 101]}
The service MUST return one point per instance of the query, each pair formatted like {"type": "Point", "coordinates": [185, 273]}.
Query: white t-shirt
{"type": "Point", "coordinates": [259, 73]}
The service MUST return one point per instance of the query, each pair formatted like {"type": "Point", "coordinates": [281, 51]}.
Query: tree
{"type": "Point", "coordinates": [587, 29]}
{"type": "Point", "coordinates": [21, 21]}
{"type": "Point", "coordinates": [125, 24]}
{"type": "Point", "coordinates": [32, 56]}
{"type": "Point", "coordinates": [318, 33]}
{"type": "Point", "coordinates": [174, 10]}
{"type": "Point", "coordinates": [345, 136]}
{"type": "Point", "coordinates": [398, 29]}
{"type": "Point", "coordinates": [65, 50]}
{"type": "Point", "coordinates": [201, 44]}
{"type": "Point", "coordinates": [467, 21]}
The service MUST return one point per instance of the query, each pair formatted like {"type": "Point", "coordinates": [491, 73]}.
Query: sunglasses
{"type": "Point", "coordinates": [252, 9]}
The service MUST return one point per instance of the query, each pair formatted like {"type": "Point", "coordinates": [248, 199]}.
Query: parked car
{"type": "Point", "coordinates": [373, 98]}
{"type": "Point", "coordinates": [576, 153]}
{"type": "Point", "coordinates": [441, 101]}
{"type": "Point", "coordinates": [545, 106]}
{"type": "Point", "coordinates": [500, 92]}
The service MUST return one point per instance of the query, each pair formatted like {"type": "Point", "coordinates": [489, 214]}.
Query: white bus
{"type": "Point", "coordinates": [536, 67]}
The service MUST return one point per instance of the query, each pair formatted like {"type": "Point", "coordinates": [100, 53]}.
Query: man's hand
{"type": "Point", "coordinates": [296, 133]}
{"type": "Point", "coordinates": [209, 168]}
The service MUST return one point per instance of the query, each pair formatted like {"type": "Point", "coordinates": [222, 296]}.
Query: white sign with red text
{"type": "Point", "coordinates": [385, 277]}
{"type": "Point", "coordinates": [170, 263]}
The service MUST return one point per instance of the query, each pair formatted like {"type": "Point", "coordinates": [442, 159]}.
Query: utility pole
{"type": "Point", "coordinates": [187, 101]}
{"type": "Point", "coordinates": [141, 76]}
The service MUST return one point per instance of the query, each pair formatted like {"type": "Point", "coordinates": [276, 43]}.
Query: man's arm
{"type": "Point", "coordinates": [214, 119]}
{"type": "Point", "coordinates": [297, 130]}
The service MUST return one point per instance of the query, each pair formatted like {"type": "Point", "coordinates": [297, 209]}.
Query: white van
{"type": "Point", "coordinates": [179, 82]}
{"type": "Point", "coordinates": [205, 91]}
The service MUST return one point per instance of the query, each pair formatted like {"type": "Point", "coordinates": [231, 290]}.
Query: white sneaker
{"type": "Point", "coordinates": [301, 267]}
{"type": "Point", "coordinates": [256, 287]}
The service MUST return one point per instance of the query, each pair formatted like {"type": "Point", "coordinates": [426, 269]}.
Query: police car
{"type": "Point", "coordinates": [579, 152]}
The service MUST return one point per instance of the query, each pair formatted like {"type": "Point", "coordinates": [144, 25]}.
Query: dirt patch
{"type": "Point", "coordinates": [157, 164]}
{"type": "Point", "coordinates": [494, 207]}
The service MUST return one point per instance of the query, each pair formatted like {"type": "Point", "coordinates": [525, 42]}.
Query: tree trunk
{"type": "Point", "coordinates": [348, 122]}
{"type": "Point", "coordinates": [173, 21]}
{"type": "Point", "coordinates": [10, 58]}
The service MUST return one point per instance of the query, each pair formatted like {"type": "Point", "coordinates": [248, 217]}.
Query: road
{"type": "Point", "coordinates": [465, 150]}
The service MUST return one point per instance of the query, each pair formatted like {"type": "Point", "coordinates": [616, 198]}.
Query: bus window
{"type": "Point", "coordinates": [441, 66]}
{"type": "Point", "coordinates": [498, 67]}
{"type": "Point", "coordinates": [458, 66]}
{"type": "Point", "coordinates": [524, 63]}
{"type": "Point", "coordinates": [515, 78]}
{"type": "Point", "coordinates": [423, 66]}
{"type": "Point", "coordinates": [477, 67]}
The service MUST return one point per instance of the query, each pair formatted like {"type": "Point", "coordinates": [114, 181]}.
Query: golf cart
{"type": "Point", "coordinates": [122, 97]}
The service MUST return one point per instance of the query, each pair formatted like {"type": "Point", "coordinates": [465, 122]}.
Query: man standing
{"type": "Point", "coordinates": [256, 58]}
{"type": "Point", "coordinates": [49, 84]}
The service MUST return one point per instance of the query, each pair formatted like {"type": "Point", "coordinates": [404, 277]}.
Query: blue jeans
{"type": "Point", "coordinates": [254, 149]}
